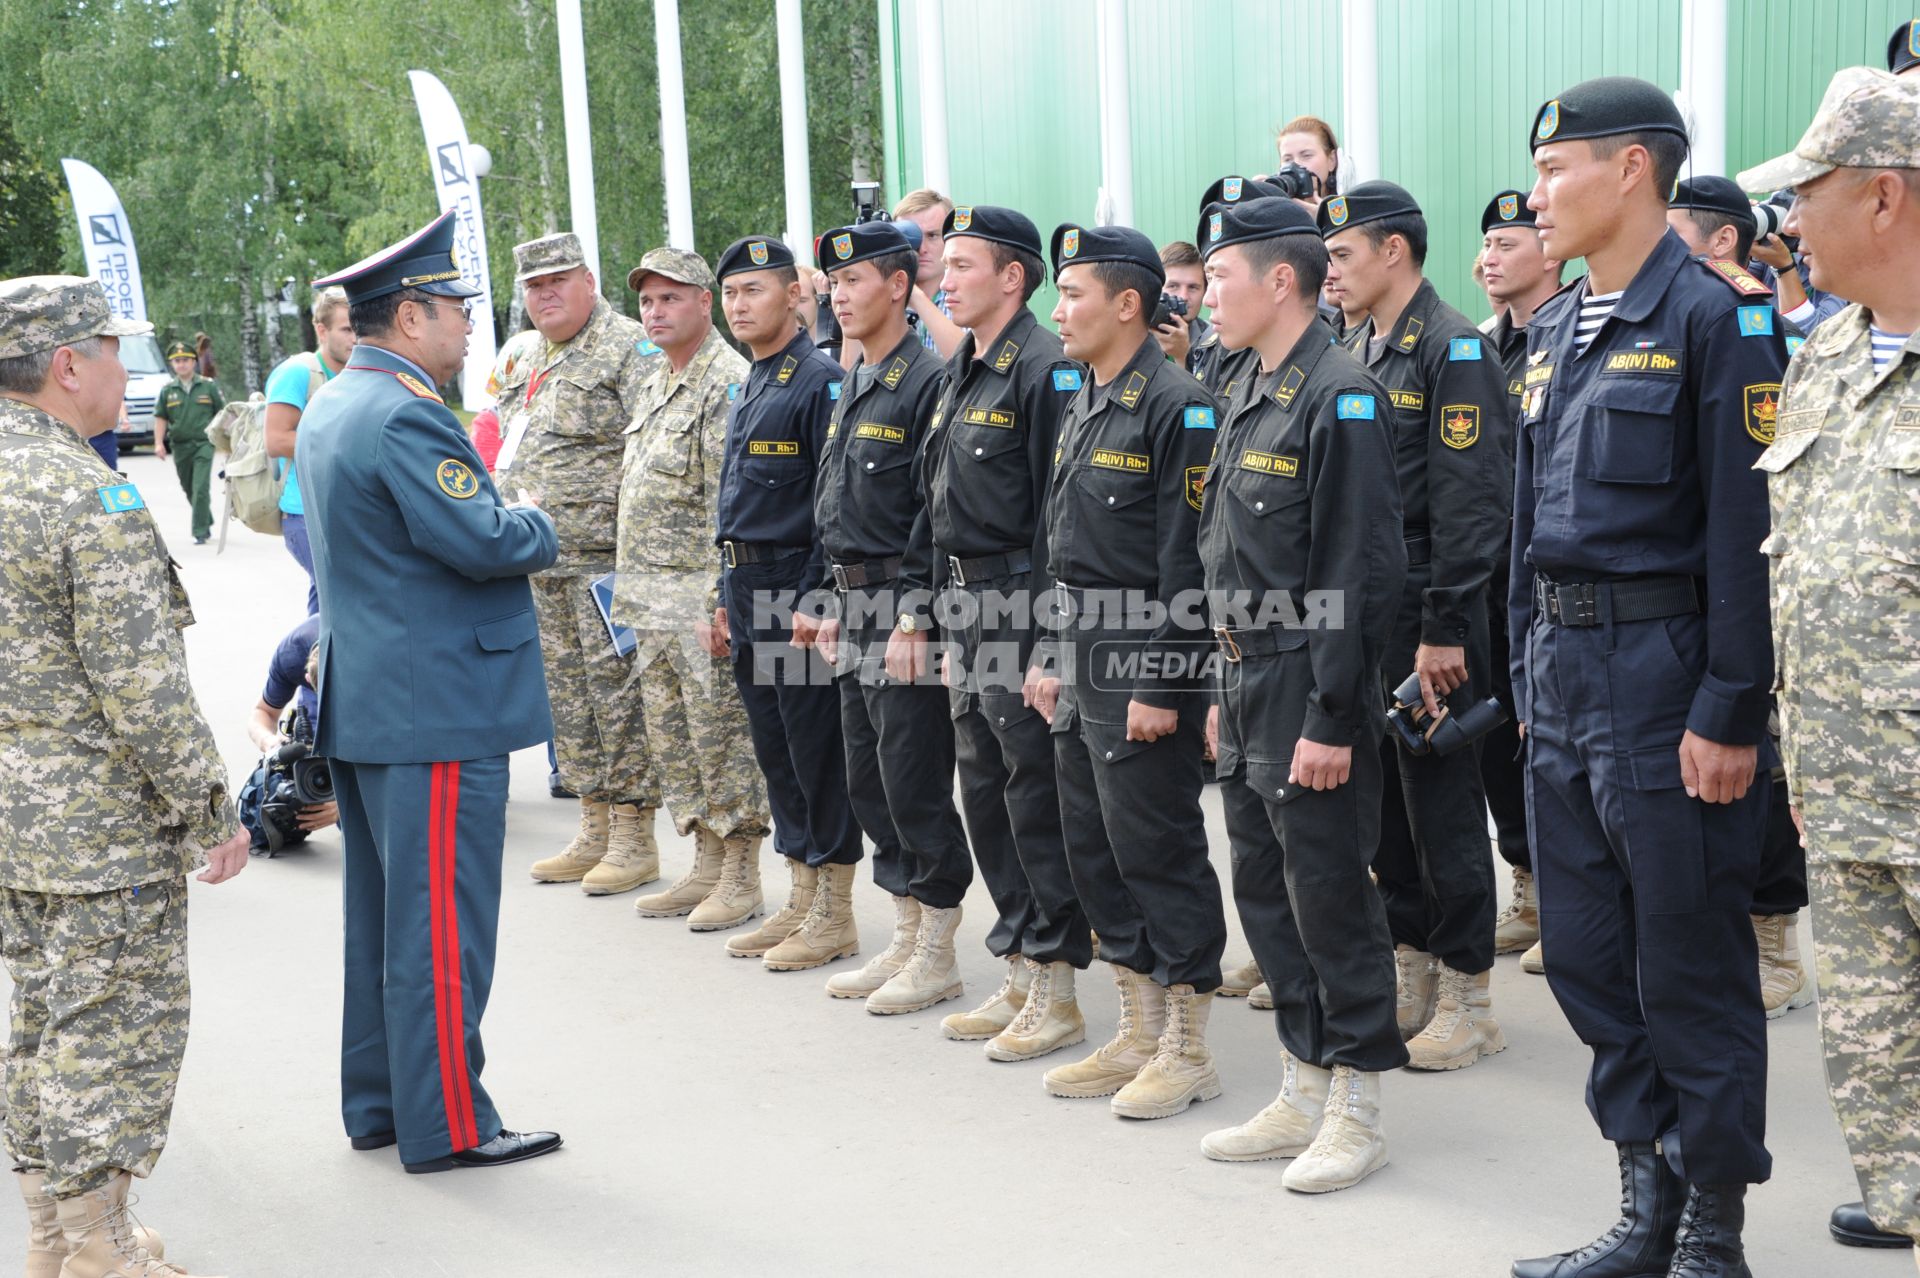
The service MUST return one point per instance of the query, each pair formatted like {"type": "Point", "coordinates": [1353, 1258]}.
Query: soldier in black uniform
{"type": "Point", "coordinates": [1122, 516]}
{"type": "Point", "coordinates": [1452, 437]}
{"type": "Point", "coordinates": [770, 555]}
{"type": "Point", "coordinates": [870, 509]}
{"type": "Point", "coordinates": [1302, 509]}
{"type": "Point", "coordinates": [1643, 680]}
{"type": "Point", "coordinates": [1218, 366]}
{"type": "Point", "coordinates": [989, 453]}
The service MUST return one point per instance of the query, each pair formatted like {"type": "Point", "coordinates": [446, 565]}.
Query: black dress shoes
{"type": "Point", "coordinates": [1851, 1225]}
{"type": "Point", "coordinates": [379, 1140]}
{"type": "Point", "coordinates": [507, 1147]}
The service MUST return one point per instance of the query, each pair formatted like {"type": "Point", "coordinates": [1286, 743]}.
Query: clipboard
{"type": "Point", "coordinates": [623, 639]}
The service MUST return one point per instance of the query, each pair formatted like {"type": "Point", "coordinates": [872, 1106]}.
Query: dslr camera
{"type": "Point", "coordinates": [1166, 308]}
{"type": "Point", "coordinates": [1297, 182]}
{"type": "Point", "coordinates": [1770, 215]}
{"type": "Point", "coordinates": [289, 779]}
{"type": "Point", "coordinates": [1421, 733]}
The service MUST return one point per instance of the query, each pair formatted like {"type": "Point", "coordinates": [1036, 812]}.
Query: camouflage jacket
{"type": "Point", "coordinates": [1844, 483]}
{"type": "Point", "coordinates": [576, 401]}
{"type": "Point", "coordinates": [670, 490]}
{"type": "Point", "coordinates": [109, 776]}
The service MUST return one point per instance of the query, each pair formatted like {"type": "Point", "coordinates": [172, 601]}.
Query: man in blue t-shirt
{"type": "Point", "coordinates": [288, 388]}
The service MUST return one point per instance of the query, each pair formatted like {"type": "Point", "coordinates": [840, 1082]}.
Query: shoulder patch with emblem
{"type": "Point", "coordinates": [419, 388]}
{"type": "Point", "coordinates": [1354, 408]}
{"type": "Point", "coordinates": [733, 391]}
{"type": "Point", "coordinates": [1738, 279]}
{"type": "Point", "coordinates": [1066, 379]}
{"type": "Point", "coordinates": [647, 346]}
{"type": "Point", "coordinates": [1462, 349]}
{"type": "Point", "coordinates": [1198, 417]}
{"type": "Point", "coordinates": [1763, 410]}
{"type": "Point", "coordinates": [1460, 425]}
{"type": "Point", "coordinates": [833, 390]}
{"type": "Point", "coordinates": [456, 478]}
{"type": "Point", "coordinates": [1196, 477]}
{"type": "Point", "coordinates": [1755, 321]}
{"type": "Point", "coordinates": [118, 498]}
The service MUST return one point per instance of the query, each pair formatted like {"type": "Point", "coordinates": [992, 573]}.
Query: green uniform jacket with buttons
{"type": "Point", "coordinates": [186, 409]}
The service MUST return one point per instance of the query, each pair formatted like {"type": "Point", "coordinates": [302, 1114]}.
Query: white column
{"type": "Point", "coordinates": [793, 126]}
{"type": "Point", "coordinates": [573, 100]}
{"type": "Point", "coordinates": [1703, 81]}
{"type": "Point", "coordinates": [673, 124]}
{"type": "Point", "coordinates": [930, 34]}
{"type": "Point", "coordinates": [1116, 124]}
{"type": "Point", "coordinates": [1360, 86]}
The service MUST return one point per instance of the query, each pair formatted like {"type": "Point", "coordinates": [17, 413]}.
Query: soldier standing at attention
{"type": "Point", "coordinates": [989, 454]}
{"type": "Point", "coordinates": [1303, 502]}
{"type": "Point", "coordinates": [1846, 446]}
{"type": "Point", "coordinates": [1641, 670]}
{"type": "Point", "coordinates": [423, 589]}
{"type": "Point", "coordinates": [114, 791]}
{"type": "Point", "coordinates": [180, 420]}
{"type": "Point", "coordinates": [770, 555]}
{"type": "Point", "coordinates": [870, 507]}
{"type": "Point", "coordinates": [669, 493]}
{"type": "Point", "coordinates": [567, 406]}
{"type": "Point", "coordinates": [1120, 685]}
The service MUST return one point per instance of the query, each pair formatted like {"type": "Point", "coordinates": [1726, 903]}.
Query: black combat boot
{"type": "Point", "coordinates": [1851, 1225]}
{"type": "Point", "coordinates": [1641, 1242]}
{"type": "Point", "coordinates": [1707, 1244]}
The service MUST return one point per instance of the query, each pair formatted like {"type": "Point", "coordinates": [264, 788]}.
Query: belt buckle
{"type": "Point", "coordinates": [1228, 648]}
{"type": "Point", "coordinates": [1583, 609]}
{"type": "Point", "coordinates": [727, 555]}
{"type": "Point", "coordinates": [959, 573]}
{"type": "Point", "coordinates": [840, 578]}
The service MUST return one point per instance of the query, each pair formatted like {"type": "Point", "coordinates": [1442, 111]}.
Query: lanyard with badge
{"type": "Point", "coordinates": [511, 444]}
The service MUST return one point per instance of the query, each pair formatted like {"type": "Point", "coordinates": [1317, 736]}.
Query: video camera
{"type": "Point", "coordinates": [287, 780]}
{"type": "Point", "coordinates": [1421, 733]}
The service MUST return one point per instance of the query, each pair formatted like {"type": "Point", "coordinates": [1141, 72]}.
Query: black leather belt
{"type": "Point", "coordinates": [987, 567]}
{"type": "Point", "coordinates": [1589, 603]}
{"type": "Point", "coordinates": [874, 572]}
{"type": "Point", "coordinates": [1419, 549]}
{"type": "Point", "coordinates": [735, 553]}
{"type": "Point", "coordinates": [1261, 642]}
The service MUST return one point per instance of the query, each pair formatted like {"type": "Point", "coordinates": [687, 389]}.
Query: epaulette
{"type": "Point", "coordinates": [1548, 309]}
{"type": "Point", "coordinates": [419, 387]}
{"type": "Point", "coordinates": [1736, 277]}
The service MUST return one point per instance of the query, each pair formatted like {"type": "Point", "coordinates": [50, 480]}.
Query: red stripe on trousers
{"type": "Point", "coordinates": [443, 813]}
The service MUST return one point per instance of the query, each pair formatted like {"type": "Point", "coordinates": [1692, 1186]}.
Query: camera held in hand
{"type": "Point", "coordinates": [1297, 182]}
{"type": "Point", "coordinates": [287, 780]}
{"type": "Point", "coordinates": [1421, 733]}
{"type": "Point", "coordinates": [1166, 308]}
{"type": "Point", "coordinates": [1770, 215]}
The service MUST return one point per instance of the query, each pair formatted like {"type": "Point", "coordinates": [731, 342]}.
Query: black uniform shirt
{"type": "Point", "coordinates": [776, 434]}
{"type": "Point", "coordinates": [1636, 458]}
{"type": "Point", "coordinates": [1510, 344]}
{"type": "Point", "coordinates": [1302, 496]}
{"type": "Point", "coordinates": [1453, 436]}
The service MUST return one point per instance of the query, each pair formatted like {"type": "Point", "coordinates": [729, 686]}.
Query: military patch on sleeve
{"type": "Point", "coordinates": [1354, 408]}
{"type": "Point", "coordinates": [117, 498]}
{"type": "Point", "coordinates": [1199, 417]}
{"type": "Point", "coordinates": [1463, 349]}
{"type": "Point", "coordinates": [419, 387]}
{"type": "Point", "coordinates": [1136, 387]}
{"type": "Point", "coordinates": [1196, 485]}
{"type": "Point", "coordinates": [456, 479]}
{"type": "Point", "coordinates": [733, 391]}
{"type": "Point", "coordinates": [833, 390]}
{"type": "Point", "coordinates": [1763, 410]}
{"type": "Point", "coordinates": [1755, 321]}
{"type": "Point", "coordinates": [1737, 279]}
{"type": "Point", "coordinates": [646, 346]}
{"type": "Point", "coordinates": [1794, 343]}
{"type": "Point", "coordinates": [1460, 425]}
{"type": "Point", "coordinates": [785, 374]}
{"type": "Point", "coordinates": [1066, 379]}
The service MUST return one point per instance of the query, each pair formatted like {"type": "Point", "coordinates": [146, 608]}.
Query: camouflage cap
{"type": "Point", "coordinates": [547, 255]}
{"type": "Point", "coordinates": [675, 264]}
{"type": "Point", "coordinates": [1867, 120]}
{"type": "Point", "coordinates": [40, 312]}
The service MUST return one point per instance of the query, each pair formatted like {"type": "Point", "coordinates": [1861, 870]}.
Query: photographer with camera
{"type": "Point", "coordinates": [286, 715]}
{"type": "Point", "coordinates": [1794, 293]}
{"type": "Point", "coordinates": [1176, 321]}
{"type": "Point", "coordinates": [1309, 160]}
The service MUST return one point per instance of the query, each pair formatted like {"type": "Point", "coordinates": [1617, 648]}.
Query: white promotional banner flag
{"type": "Point", "coordinates": [458, 185]}
{"type": "Point", "coordinates": [106, 239]}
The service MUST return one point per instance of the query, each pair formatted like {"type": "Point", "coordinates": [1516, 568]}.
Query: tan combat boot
{"type": "Point", "coordinates": [1462, 1029]}
{"type": "Point", "coordinates": [1241, 981]}
{"type": "Point", "coordinates": [1181, 1070]}
{"type": "Point", "coordinates": [46, 1243]}
{"type": "Point", "coordinates": [828, 931]}
{"type": "Point", "coordinates": [581, 855]}
{"type": "Point", "coordinates": [786, 920]}
{"type": "Point", "coordinates": [1534, 960]}
{"type": "Point", "coordinates": [931, 973]}
{"type": "Point", "coordinates": [1351, 1145]}
{"type": "Point", "coordinates": [1143, 1015]}
{"type": "Point", "coordinates": [998, 1012]}
{"type": "Point", "coordinates": [1283, 1129]}
{"type": "Point", "coordinates": [633, 857]}
{"type": "Point", "coordinates": [1418, 989]}
{"type": "Point", "coordinates": [1518, 926]}
{"type": "Point", "coordinates": [693, 886]}
{"type": "Point", "coordinates": [1784, 983]}
{"type": "Point", "coordinates": [1048, 1021]}
{"type": "Point", "coordinates": [736, 897]}
{"type": "Point", "coordinates": [1260, 997]}
{"type": "Point", "coordinates": [102, 1240]}
{"type": "Point", "coordinates": [879, 969]}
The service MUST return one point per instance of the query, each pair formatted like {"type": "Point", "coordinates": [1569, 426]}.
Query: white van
{"type": "Point", "coordinates": [147, 376]}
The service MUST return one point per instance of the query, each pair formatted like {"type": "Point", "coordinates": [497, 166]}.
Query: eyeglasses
{"type": "Point", "coordinates": [466, 308]}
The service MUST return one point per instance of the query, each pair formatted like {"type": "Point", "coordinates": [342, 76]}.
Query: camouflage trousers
{"type": "Point", "coordinates": [704, 749]}
{"type": "Point", "coordinates": [599, 726]}
{"type": "Point", "coordinates": [1866, 939]}
{"type": "Point", "coordinates": [99, 1024]}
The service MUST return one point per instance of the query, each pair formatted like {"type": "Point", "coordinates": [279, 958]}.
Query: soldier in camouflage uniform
{"type": "Point", "coordinates": [1843, 466]}
{"type": "Point", "coordinates": [111, 791]}
{"type": "Point", "coordinates": [562, 411]}
{"type": "Point", "coordinates": [669, 496]}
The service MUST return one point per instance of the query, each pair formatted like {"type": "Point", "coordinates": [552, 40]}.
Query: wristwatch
{"type": "Point", "coordinates": [908, 625]}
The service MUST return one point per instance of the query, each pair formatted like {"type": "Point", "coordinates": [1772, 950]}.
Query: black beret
{"type": "Point", "coordinates": [1903, 47]}
{"type": "Point", "coordinates": [1073, 245]}
{"type": "Point", "coordinates": [1508, 208]}
{"type": "Point", "coordinates": [1260, 219]}
{"type": "Point", "coordinates": [754, 253]}
{"type": "Point", "coordinates": [1368, 202]}
{"type": "Point", "coordinates": [991, 222]}
{"type": "Point", "coordinates": [1715, 194]}
{"type": "Point", "coordinates": [845, 245]}
{"type": "Point", "coordinates": [1606, 106]}
{"type": "Point", "coordinates": [1232, 190]}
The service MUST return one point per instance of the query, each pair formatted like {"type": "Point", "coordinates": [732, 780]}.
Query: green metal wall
{"type": "Point", "coordinates": [1780, 55]}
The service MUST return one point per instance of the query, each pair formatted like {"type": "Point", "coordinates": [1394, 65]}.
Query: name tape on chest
{"type": "Point", "coordinates": [1113, 459]}
{"type": "Point", "coordinates": [880, 431]}
{"type": "Point", "coordinates": [1802, 420]}
{"type": "Point", "coordinates": [773, 448]}
{"type": "Point", "coordinates": [1665, 362]}
{"type": "Point", "coordinates": [1270, 464]}
{"type": "Point", "coordinates": [998, 418]}
{"type": "Point", "coordinates": [117, 499]}
{"type": "Point", "coordinates": [1411, 400]}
